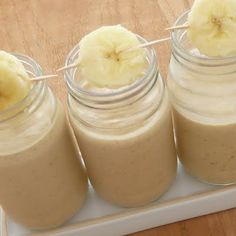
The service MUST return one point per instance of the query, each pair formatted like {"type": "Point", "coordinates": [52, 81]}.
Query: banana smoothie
{"type": "Point", "coordinates": [202, 90]}
{"type": "Point", "coordinates": [42, 180]}
{"type": "Point", "coordinates": [123, 126]}
{"type": "Point", "coordinates": [130, 168]}
{"type": "Point", "coordinates": [207, 150]}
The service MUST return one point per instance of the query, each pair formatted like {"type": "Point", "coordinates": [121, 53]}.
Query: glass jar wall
{"type": "Point", "coordinates": [125, 135]}
{"type": "Point", "coordinates": [43, 182]}
{"type": "Point", "coordinates": [203, 94]}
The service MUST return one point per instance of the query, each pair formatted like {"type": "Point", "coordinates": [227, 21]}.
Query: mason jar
{"type": "Point", "coordinates": [125, 135]}
{"type": "Point", "coordinates": [203, 95]}
{"type": "Point", "coordinates": [42, 180]}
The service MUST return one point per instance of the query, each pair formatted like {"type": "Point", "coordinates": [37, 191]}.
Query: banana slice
{"type": "Point", "coordinates": [105, 61]}
{"type": "Point", "coordinates": [14, 80]}
{"type": "Point", "coordinates": [212, 27]}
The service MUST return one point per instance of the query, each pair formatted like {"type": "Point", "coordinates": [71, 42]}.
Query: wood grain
{"type": "Point", "coordinates": [47, 30]}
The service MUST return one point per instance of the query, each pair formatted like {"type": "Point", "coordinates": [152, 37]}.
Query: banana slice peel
{"type": "Point", "coordinates": [104, 58]}
{"type": "Point", "coordinates": [212, 27]}
{"type": "Point", "coordinates": [14, 81]}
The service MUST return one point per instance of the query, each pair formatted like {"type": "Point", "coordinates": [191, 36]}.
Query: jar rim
{"type": "Point", "coordinates": [177, 47]}
{"type": "Point", "coordinates": [35, 89]}
{"type": "Point", "coordinates": [76, 89]}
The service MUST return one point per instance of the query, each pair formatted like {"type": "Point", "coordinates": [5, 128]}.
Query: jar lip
{"type": "Point", "coordinates": [37, 85]}
{"type": "Point", "coordinates": [75, 87]}
{"type": "Point", "coordinates": [176, 46]}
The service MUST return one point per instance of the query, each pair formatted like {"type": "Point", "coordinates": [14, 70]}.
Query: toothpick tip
{"type": "Point", "coordinates": [176, 27]}
{"type": "Point", "coordinates": [43, 77]}
{"type": "Point", "coordinates": [68, 67]}
{"type": "Point", "coordinates": [61, 69]}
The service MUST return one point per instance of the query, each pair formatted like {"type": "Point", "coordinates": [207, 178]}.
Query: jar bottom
{"type": "Point", "coordinates": [202, 180]}
{"type": "Point", "coordinates": [138, 204]}
{"type": "Point", "coordinates": [52, 227]}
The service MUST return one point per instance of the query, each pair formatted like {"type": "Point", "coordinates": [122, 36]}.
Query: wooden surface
{"type": "Point", "coordinates": [47, 29]}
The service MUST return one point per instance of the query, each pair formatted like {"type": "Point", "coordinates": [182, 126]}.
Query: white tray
{"type": "Point", "coordinates": [186, 198]}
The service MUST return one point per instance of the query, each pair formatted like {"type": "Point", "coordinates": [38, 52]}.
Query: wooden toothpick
{"type": "Point", "coordinates": [68, 67]}
{"type": "Point", "coordinates": [43, 77]}
{"type": "Point", "coordinates": [130, 49]}
{"type": "Point", "coordinates": [185, 26]}
{"type": "Point", "coordinates": [153, 42]}
{"type": "Point", "coordinates": [157, 41]}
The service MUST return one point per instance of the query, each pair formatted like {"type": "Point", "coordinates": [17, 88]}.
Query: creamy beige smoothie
{"type": "Point", "coordinates": [130, 168]}
{"type": "Point", "coordinates": [119, 110]}
{"type": "Point", "coordinates": [204, 114]}
{"type": "Point", "coordinates": [207, 151]}
{"type": "Point", "coordinates": [42, 184]}
{"type": "Point", "coordinates": [202, 89]}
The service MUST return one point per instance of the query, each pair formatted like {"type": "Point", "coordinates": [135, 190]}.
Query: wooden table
{"type": "Point", "coordinates": [47, 29]}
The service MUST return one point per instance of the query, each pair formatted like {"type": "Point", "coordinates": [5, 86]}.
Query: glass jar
{"type": "Point", "coordinates": [42, 181]}
{"type": "Point", "coordinates": [125, 135]}
{"type": "Point", "coordinates": [203, 94]}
